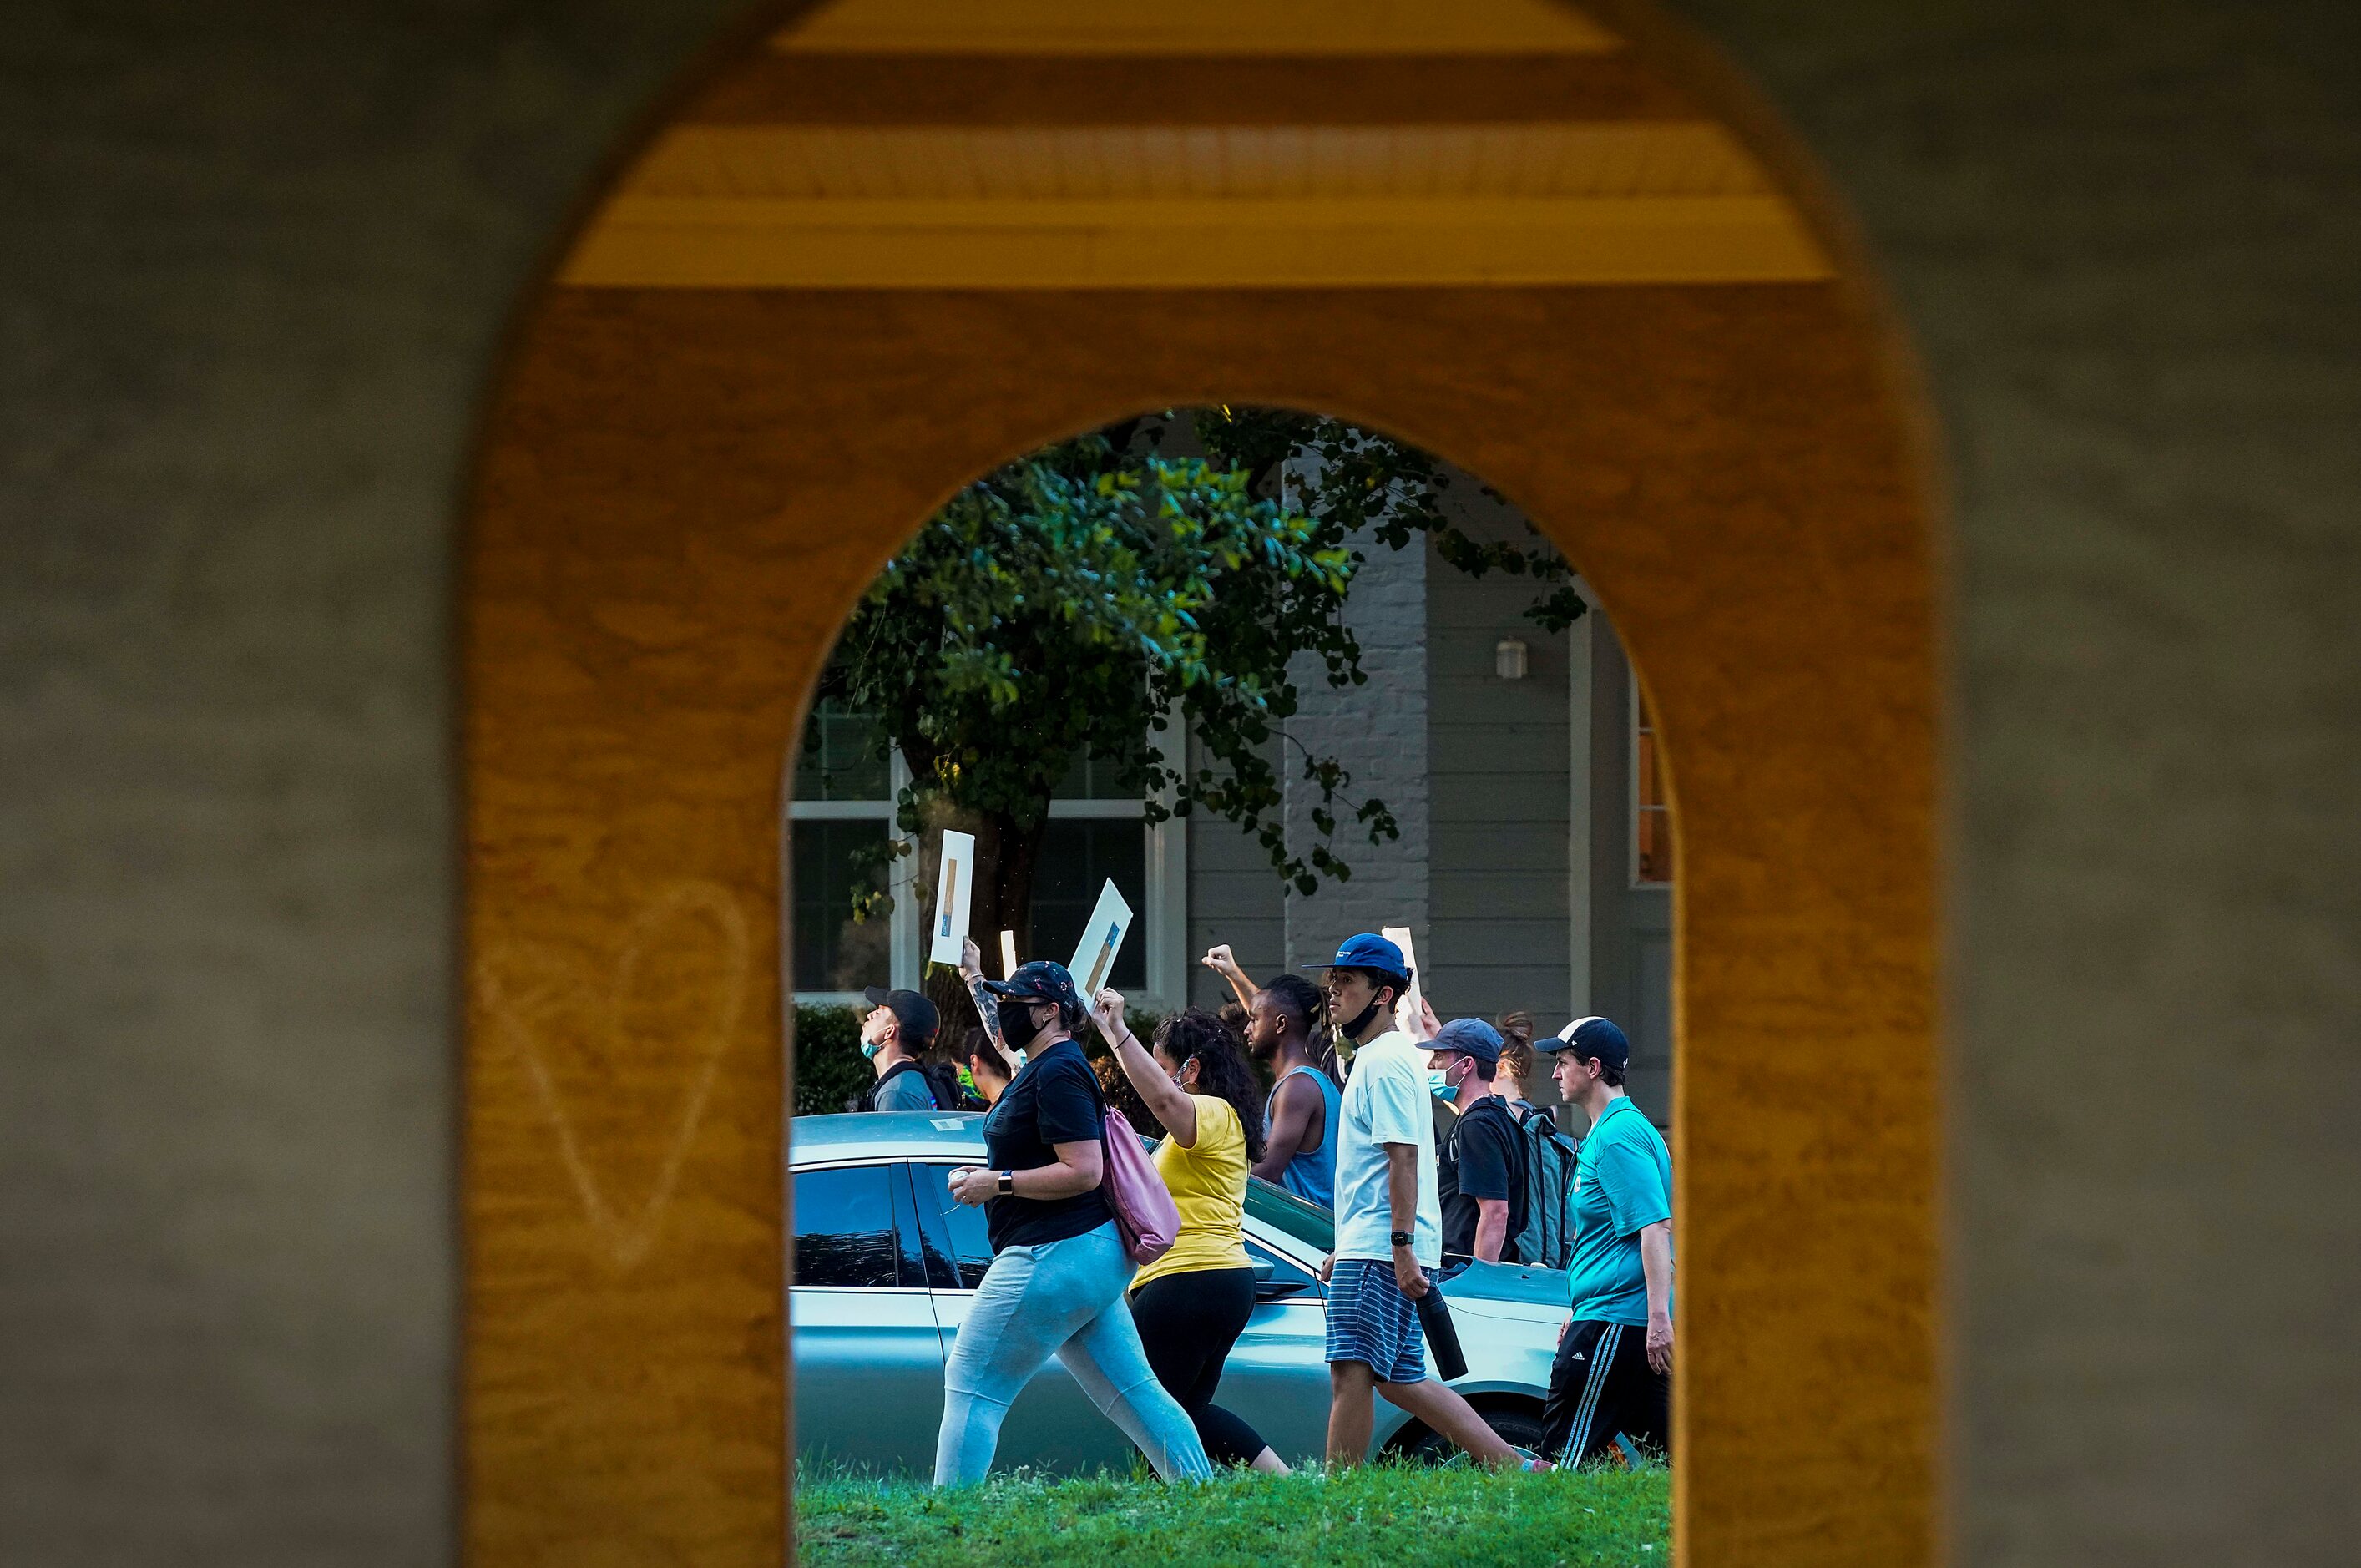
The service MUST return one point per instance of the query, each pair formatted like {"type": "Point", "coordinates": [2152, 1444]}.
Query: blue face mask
{"type": "Point", "coordinates": [1438, 1083]}
{"type": "Point", "coordinates": [871, 1047]}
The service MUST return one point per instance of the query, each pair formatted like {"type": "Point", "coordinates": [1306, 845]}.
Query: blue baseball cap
{"type": "Point", "coordinates": [1370, 951]}
{"type": "Point", "coordinates": [1594, 1039]}
{"type": "Point", "coordinates": [1473, 1036]}
{"type": "Point", "coordinates": [1042, 981]}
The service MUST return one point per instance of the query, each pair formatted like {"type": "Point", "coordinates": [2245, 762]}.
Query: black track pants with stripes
{"type": "Point", "coordinates": [1600, 1383]}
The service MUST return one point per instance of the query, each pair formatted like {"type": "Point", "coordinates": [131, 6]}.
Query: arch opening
{"type": "Point", "coordinates": [686, 482]}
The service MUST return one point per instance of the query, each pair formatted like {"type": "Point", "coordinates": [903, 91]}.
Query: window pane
{"type": "Point", "coordinates": [971, 1245]}
{"type": "Point", "coordinates": [845, 1228]}
{"type": "Point", "coordinates": [1092, 779]}
{"type": "Point", "coordinates": [1077, 856]}
{"type": "Point", "coordinates": [1655, 834]}
{"type": "Point", "coordinates": [1651, 784]}
{"type": "Point", "coordinates": [842, 757]}
{"type": "Point", "coordinates": [834, 952]}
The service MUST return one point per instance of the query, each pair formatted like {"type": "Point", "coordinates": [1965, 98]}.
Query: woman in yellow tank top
{"type": "Point", "coordinates": [1194, 1302]}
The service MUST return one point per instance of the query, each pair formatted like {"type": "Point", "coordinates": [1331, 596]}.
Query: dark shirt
{"type": "Point", "coordinates": [1053, 1100]}
{"type": "Point", "coordinates": [1480, 1159]}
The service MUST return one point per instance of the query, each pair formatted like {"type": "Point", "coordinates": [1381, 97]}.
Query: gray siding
{"type": "Point", "coordinates": [1498, 794]}
{"type": "Point", "coordinates": [1234, 897]}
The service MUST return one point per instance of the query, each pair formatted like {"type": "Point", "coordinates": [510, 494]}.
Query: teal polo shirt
{"type": "Point", "coordinates": [1622, 1184]}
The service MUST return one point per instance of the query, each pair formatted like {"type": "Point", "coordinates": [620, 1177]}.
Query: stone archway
{"type": "Point", "coordinates": [773, 349]}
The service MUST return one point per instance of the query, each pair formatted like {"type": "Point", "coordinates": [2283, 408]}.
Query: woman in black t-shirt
{"type": "Point", "coordinates": [1058, 1269]}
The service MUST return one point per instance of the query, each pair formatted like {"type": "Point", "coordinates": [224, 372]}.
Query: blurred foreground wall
{"type": "Point", "coordinates": [257, 259]}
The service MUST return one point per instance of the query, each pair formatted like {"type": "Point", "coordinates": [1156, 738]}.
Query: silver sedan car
{"type": "Point", "coordinates": [885, 1264]}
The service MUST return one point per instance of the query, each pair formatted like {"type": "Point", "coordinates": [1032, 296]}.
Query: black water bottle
{"type": "Point", "coordinates": [1434, 1317]}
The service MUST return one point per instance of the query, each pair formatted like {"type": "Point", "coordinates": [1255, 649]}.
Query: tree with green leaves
{"type": "Point", "coordinates": [1097, 592]}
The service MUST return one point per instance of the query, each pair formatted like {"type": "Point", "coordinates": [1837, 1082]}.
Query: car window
{"type": "Point", "coordinates": [1283, 1212]}
{"type": "Point", "coordinates": [1285, 1278]}
{"type": "Point", "coordinates": [844, 1227]}
{"type": "Point", "coordinates": [958, 1248]}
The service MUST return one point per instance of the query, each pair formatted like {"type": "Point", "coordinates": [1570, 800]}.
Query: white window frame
{"type": "Point", "coordinates": [902, 962]}
{"type": "Point", "coordinates": [1163, 924]}
{"type": "Point", "coordinates": [1631, 787]}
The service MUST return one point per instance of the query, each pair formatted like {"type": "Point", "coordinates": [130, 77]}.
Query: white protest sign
{"type": "Point", "coordinates": [1102, 939]}
{"type": "Point", "coordinates": [1405, 1012]}
{"type": "Point", "coordinates": [1007, 954]}
{"type": "Point", "coordinates": [953, 890]}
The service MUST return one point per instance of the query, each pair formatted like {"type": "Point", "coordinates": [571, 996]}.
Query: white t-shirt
{"type": "Point", "coordinates": [1386, 1102]}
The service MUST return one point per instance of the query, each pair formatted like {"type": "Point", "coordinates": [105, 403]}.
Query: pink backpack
{"type": "Point", "coordinates": [1145, 1214]}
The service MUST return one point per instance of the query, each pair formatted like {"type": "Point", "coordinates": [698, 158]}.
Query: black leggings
{"type": "Point", "coordinates": [1187, 1324]}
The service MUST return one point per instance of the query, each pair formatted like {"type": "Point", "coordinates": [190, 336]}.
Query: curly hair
{"type": "Point", "coordinates": [1195, 1034]}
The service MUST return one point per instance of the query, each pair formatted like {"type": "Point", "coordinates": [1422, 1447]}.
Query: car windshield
{"type": "Point", "coordinates": [1283, 1211]}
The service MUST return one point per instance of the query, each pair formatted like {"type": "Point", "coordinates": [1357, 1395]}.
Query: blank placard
{"type": "Point", "coordinates": [954, 888]}
{"type": "Point", "coordinates": [1103, 936]}
{"type": "Point", "coordinates": [1406, 1013]}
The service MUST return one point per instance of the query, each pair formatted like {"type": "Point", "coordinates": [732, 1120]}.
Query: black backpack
{"type": "Point", "coordinates": [942, 1083]}
{"type": "Point", "coordinates": [1547, 1239]}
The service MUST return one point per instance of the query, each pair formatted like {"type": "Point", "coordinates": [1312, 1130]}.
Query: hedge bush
{"type": "Point", "coordinates": [831, 1071]}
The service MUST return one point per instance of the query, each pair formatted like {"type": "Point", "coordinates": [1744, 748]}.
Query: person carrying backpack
{"type": "Point", "coordinates": [895, 1036]}
{"type": "Point", "coordinates": [1478, 1173]}
{"type": "Point", "coordinates": [1545, 1169]}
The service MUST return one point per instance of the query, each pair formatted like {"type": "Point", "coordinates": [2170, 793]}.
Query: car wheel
{"type": "Point", "coordinates": [1518, 1428]}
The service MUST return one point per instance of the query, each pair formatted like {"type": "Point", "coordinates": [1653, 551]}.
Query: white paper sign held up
{"type": "Point", "coordinates": [954, 891]}
{"type": "Point", "coordinates": [1406, 1013]}
{"type": "Point", "coordinates": [1103, 937]}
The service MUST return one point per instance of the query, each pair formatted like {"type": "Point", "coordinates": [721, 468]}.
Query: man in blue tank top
{"type": "Point", "coordinates": [1301, 1116]}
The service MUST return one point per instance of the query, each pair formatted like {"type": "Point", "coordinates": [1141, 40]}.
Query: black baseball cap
{"type": "Point", "coordinates": [1043, 980]}
{"type": "Point", "coordinates": [1594, 1039]}
{"type": "Point", "coordinates": [918, 1018]}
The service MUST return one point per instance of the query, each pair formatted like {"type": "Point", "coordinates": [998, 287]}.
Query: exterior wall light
{"type": "Point", "coordinates": [1509, 659]}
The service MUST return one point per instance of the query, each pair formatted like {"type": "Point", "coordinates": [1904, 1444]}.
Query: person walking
{"type": "Point", "coordinates": [1299, 1116]}
{"type": "Point", "coordinates": [1193, 1303]}
{"type": "Point", "coordinates": [1388, 1223]}
{"type": "Point", "coordinates": [1323, 1055]}
{"type": "Point", "coordinates": [1613, 1373]}
{"type": "Point", "coordinates": [1479, 1169]}
{"type": "Point", "coordinates": [1058, 1269]}
{"type": "Point", "coordinates": [895, 1036]}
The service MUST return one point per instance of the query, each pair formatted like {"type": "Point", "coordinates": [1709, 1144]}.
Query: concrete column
{"type": "Point", "coordinates": [1378, 732]}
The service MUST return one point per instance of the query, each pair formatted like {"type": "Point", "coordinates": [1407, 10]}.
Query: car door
{"type": "Point", "coordinates": [1053, 1425]}
{"type": "Point", "coordinates": [1276, 1379]}
{"type": "Point", "coordinates": [868, 1356]}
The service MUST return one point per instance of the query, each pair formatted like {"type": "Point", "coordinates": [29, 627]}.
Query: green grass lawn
{"type": "Point", "coordinates": [1380, 1515]}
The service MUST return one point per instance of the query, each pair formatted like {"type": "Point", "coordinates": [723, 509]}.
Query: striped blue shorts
{"type": "Point", "coordinates": [1370, 1320]}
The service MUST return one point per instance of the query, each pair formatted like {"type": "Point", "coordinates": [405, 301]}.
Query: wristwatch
{"type": "Point", "coordinates": [1009, 1184]}
{"type": "Point", "coordinates": [1401, 1238]}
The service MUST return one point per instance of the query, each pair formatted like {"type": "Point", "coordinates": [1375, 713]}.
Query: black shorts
{"type": "Point", "coordinates": [1600, 1383]}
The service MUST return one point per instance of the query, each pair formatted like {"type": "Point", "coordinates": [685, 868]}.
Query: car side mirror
{"type": "Point", "coordinates": [1269, 1286]}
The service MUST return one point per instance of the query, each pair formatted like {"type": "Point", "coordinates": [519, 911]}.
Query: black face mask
{"type": "Point", "coordinates": [1017, 1026]}
{"type": "Point", "coordinates": [1361, 1021]}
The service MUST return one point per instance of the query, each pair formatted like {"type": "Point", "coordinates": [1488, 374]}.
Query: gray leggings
{"type": "Point", "coordinates": [1063, 1298]}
